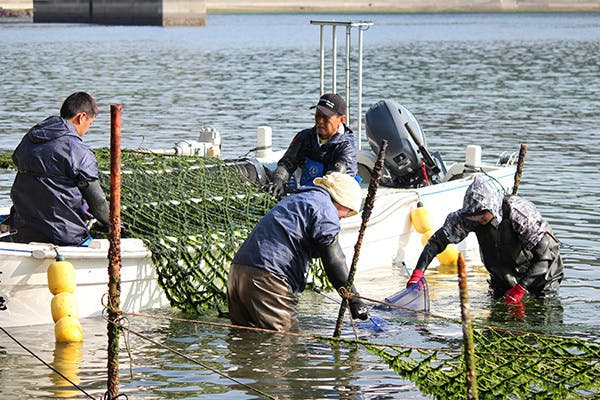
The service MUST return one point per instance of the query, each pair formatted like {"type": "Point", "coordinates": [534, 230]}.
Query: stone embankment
{"type": "Point", "coordinates": [16, 8]}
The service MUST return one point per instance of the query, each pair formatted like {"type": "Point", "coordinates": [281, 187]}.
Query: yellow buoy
{"type": "Point", "coordinates": [61, 276]}
{"type": "Point", "coordinates": [419, 217]}
{"type": "Point", "coordinates": [64, 305]}
{"type": "Point", "coordinates": [68, 329]}
{"type": "Point", "coordinates": [447, 257]}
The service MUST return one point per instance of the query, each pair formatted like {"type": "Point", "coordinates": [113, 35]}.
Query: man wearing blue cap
{"type": "Point", "coordinates": [327, 146]}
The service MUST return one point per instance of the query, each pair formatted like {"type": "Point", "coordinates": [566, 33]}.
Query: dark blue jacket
{"type": "Point", "coordinates": [47, 204]}
{"type": "Point", "coordinates": [339, 148]}
{"type": "Point", "coordinates": [285, 239]}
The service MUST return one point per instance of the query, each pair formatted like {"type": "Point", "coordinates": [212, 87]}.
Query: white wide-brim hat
{"type": "Point", "coordinates": [343, 188]}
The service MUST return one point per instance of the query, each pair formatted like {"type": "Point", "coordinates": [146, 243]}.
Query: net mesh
{"type": "Point", "coordinates": [192, 213]}
{"type": "Point", "coordinates": [509, 364]}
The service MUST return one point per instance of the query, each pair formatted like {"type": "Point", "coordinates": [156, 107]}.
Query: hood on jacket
{"type": "Point", "coordinates": [481, 196]}
{"type": "Point", "coordinates": [51, 128]}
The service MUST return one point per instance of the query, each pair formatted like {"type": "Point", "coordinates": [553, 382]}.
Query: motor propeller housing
{"type": "Point", "coordinates": [406, 157]}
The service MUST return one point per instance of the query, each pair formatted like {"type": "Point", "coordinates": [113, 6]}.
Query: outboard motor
{"type": "Point", "coordinates": [407, 162]}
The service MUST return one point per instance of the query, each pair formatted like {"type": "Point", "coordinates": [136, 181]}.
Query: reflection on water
{"type": "Point", "coordinates": [283, 365]}
{"type": "Point", "coordinates": [497, 80]}
{"type": "Point", "coordinates": [67, 359]}
{"type": "Point", "coordinates": [546, 314]}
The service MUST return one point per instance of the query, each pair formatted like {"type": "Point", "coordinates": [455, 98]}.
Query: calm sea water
{"type": "Point", "coordinates": [497, 80]}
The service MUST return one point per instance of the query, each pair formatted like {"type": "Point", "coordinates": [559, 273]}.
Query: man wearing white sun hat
{"type": "Point", "coordinates": [271, 265]}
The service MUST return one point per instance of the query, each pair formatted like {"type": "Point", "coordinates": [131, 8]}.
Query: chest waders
{"type": "Point", "coordinates": [502, 253]}
{"type": "Point", "coordinates": [509, 263]}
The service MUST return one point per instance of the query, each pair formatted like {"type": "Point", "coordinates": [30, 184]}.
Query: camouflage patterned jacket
{"type": "Point", "coordinates": [516, 246]}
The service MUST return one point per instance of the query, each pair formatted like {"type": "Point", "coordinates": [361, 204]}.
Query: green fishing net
{"type": "Point", "coordinates": [509, 365]}
{"type": "Point", "coordinates": [192, 213]}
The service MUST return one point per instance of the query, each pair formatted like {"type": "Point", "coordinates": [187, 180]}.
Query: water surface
{"type": "Point", "coordinates": [497, 80]}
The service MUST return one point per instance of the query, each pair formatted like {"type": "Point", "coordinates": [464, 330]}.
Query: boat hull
{"type": "Point", "coordinates": [390, 238]}
{"type": "Point", "coordinates": [24, 283]}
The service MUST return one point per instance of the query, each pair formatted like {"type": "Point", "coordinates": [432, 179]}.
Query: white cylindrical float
{"type": "Point", "coordinates": [264, 142]}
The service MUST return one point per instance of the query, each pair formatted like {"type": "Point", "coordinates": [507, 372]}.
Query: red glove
{"type": "Point", "coordinates": [514, 294]}
{"type": "Point", "coordinates": [416, 276]}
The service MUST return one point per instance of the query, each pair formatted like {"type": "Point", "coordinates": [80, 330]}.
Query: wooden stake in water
{"type": "Point", "coordinates": [114, 251]}
{"type": "Point", "coordinates": [469, 346]}
{"type": "Point", "coordinates": [519, 171]}
{"type": "Point", "coordinates": [366, 214]}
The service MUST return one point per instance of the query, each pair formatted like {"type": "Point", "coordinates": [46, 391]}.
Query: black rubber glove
{"type": "Point", "coordinates": [334, 263]}
{"type": "Point", "coordinates": [435, 245]}
{"type": "Point", "coordinates": [94, 197]}
{"type": "Point", "coordinates": [280, 177]}
{"type": "Point", "coordinates": [542, 258]}
{"type": "Point", "coordinates": [358, 309]}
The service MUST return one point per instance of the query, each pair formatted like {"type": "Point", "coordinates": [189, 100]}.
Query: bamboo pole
{"type": "Point", "coordinates": [519, 171]}
{"type": "Point", "coordinates": [114, 251]}
{"type": "Point", "coordinates": [469, 346]}
{"type": "Point", "coordinates": [366, 214]}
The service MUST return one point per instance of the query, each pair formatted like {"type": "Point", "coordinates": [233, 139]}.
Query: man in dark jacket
{"type": "Point", "coordinates": [271, 265]}
{"type": "Point", "coordinates": [517, 246]}
{"type": "Point", "coordinates": [327, 146]}
{"type": "Point", "coordinates": [56, 187]}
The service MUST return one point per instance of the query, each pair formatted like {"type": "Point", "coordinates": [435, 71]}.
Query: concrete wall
{"type": "Point", "coordinates": [16, 4]}
{"type": "Point", "coordinates": [61, 11]}
{"type": "Point", "coordinates": [184, 12]}
{"type": "Point", "coordinates": [122, 12]}
{"type": "Point", "coordinates": [125, 12]}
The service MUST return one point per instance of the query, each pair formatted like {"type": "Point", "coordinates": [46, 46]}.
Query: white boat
{"type": "Point", "coordinates": [389, 239]}
{"type": "Point", "coordinates": [25, 297]}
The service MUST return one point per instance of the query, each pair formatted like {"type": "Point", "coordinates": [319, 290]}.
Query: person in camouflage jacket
{"type": "Point", "coordinates": [517, 246]}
